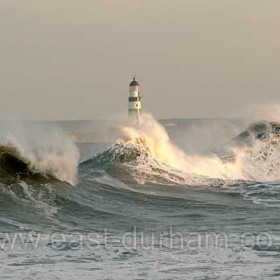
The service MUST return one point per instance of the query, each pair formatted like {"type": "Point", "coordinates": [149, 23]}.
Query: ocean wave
{"type": "Point", "coordinates": [138, 163]}
{"type": "Point", "coordinates": [148, 156]}
{"type": "Point", "coordinates": [128, 162]}
{"type": "Point", "coordinates": [266, 194]}
{"type": "Point", "coordinates": [256, 152]}
{"type": "Point", "coordinates": [36, 154]}
{"type": "Point", "coordinates": [14, 166]}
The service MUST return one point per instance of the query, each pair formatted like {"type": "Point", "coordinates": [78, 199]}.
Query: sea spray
{"type": "Point", "coordinates": [259, 162]}
{"type": "Point", "coordinates": [147, 149]}
{"type": "Point", "coordinates": [45, 149]}
{"type": "Point", "coordinates": [255, 158]}
{"type": "Point", "coordinates": [155, 138]}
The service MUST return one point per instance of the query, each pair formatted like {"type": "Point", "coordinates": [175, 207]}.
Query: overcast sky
{"type": "Point", "coordinates": [74, 59]}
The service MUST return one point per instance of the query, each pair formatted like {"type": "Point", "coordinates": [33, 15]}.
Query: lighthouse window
{"type": "Point", "coordinates": [136, 105]}
{"type": "Point", "coordinates": [133, 99]}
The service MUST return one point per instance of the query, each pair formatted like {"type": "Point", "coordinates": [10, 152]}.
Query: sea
{"type": "Point", "coordinates": [163, 199]}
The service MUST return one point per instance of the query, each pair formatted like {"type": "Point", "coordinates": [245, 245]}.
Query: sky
{"type": "Point", "coordinates": [73, 59]}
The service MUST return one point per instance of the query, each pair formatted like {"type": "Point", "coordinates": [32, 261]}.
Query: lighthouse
{"type": "Point", "coordinates": [134, 101]}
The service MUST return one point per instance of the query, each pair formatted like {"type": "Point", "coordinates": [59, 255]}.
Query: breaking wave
{"type": "Point", "coordinates": [137, 162]}
{"type": "Point", "coordinates": [148, 153]}
{"type": "Point", "coordinates": [32, 154]}
{"type": "Point", "coordinates": [256, 152]}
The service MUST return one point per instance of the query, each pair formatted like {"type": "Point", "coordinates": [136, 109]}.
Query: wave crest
{"type": "Point", "coordinates": [27, 152]}
{"type": "Point", "coordinates": [149, 154]}
{"type": "Point", "coordinates": [138, 163]}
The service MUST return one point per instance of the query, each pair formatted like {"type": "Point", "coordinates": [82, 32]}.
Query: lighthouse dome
{"type": "Point", "coordinates": [134, 83]}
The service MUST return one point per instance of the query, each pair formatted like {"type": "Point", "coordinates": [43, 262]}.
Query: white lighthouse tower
{"type": "Point", "coordinates": [134, 101]}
